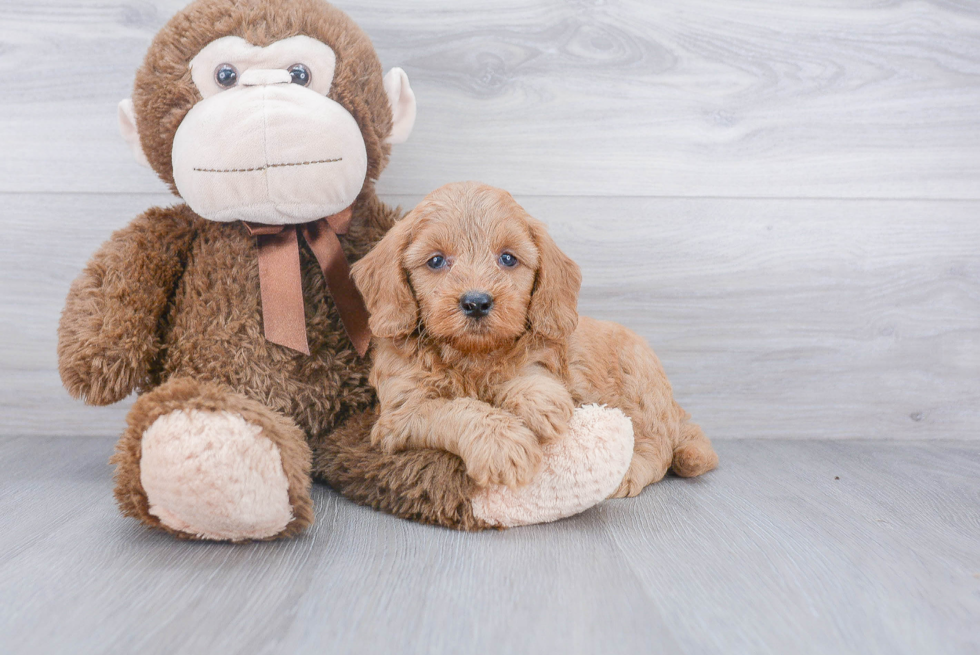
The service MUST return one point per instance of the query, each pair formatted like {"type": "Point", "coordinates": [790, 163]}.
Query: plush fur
{"type": "Point", "coordinates": [428, 486]}
{"type": "Point", "coordinates": [187, 395]}
{"type": "Point", "coordinates": [493, 389]}
{"type": "Point", "coordinates": [215, 475]}
{"type": "Point", "coordinates": [170, 306]}
{"type": "Point", "coordinates": [164, 91]}
{"type": "Point", "coordinates": [582, 468]}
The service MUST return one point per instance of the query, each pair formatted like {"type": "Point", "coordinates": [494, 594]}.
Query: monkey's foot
{"type": "Point", "coordinates": [579, 470]}
{"type": "Point", "coordinates": [213, 475]}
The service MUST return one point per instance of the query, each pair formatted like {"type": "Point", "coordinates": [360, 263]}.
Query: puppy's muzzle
{"type": "Point", "coordinates": [476, 304]}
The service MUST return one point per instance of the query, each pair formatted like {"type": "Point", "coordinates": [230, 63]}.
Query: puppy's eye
{"type": "Point", "coordinates": [300, 74]}
{"type": "Point", "coordinates": [436, 262]}
{"type": "Point", "coordinates": [226, 75]}
{"type": "Point", "coordinates": [507, 260]}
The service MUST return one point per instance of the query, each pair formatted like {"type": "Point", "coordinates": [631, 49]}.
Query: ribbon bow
{"type": "Point", "coordinates": [281, 285]}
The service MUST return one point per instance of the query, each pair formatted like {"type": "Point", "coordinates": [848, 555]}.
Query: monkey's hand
{"type": "Point", "coordinates": [109, 334]}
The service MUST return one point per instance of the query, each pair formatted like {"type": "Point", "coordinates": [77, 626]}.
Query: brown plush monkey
{"type": "Point", "coordinates": [273, 112]}
{"type": "Point", "coordinates": [234, 315]}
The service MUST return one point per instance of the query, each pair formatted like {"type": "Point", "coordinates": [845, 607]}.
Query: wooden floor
{"type": "Point", "coordinates": [791, 547]}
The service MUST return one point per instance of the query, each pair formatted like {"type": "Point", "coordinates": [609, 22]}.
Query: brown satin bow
{"type": "Point", "coordinates": [281, 285]}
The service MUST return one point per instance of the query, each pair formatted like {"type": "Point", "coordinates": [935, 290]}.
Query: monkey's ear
{"type": "Point", "coordinates": [553, 311]}
{"type": "Point", "coordinates": [383, 283]}
{"type": "Point", "coordinates": [127, 125]}
{"type": "Point", "coordinates": [401, 98]}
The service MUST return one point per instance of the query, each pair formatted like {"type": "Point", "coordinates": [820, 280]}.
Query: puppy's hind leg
{"type": "Point", "coordinates": [688, 454]}
{"type": "Point", "coordinates": [652, 454]}
{"type": "Point", "coordinates": [693, 454]}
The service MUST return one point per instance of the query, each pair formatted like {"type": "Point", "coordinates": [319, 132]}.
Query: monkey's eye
{"type": "Point", "coordinates": [226, 75]}
{"type": "Point", "coordinates": [436, 262]}
{"type": "Point", "coordinates": [507, 260]}
{"type": "Point", "coordinates": [300, 74]}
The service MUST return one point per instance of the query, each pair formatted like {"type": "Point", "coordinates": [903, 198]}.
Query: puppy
{"type": "Point", "coordinates": [479, 348]}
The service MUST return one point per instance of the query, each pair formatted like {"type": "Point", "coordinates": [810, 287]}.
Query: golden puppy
{"type": "Point", "coordinates": [480, 351]}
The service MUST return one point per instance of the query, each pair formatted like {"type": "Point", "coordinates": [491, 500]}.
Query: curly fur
{"type": "Point", "coordinates": [493, 389]}
{"type": "Point", "coordinates": [428, 486]}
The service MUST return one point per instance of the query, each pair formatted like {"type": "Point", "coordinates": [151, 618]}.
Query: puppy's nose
{"type": "Point", "coordinates": [476, 304]}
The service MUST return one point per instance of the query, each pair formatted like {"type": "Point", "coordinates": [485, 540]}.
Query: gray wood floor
{"type": "Point", "coordinates": [790, 547]}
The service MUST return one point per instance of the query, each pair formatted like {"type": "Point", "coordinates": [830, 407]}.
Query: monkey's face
{"type": "Point", "coordinates": [270, 111]}
{"type": "Point", "coordinates": [266, 144]}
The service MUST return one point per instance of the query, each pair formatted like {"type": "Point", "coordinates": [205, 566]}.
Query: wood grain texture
{"type": "Point", "coordinates": [677, 149]}
{"type": "Point", "coordinates": [774, 318]}
{"type": "Point", "coordinates": [772, 553]}
{"type": "Point", "coordinates": [822, 98]}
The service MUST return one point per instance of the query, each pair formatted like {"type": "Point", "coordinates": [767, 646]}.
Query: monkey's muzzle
{"type": "Point", "coordinates": [268, 151]}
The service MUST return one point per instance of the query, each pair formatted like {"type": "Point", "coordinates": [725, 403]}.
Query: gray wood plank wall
{"type": "Point", "coordinates": [782, 197]}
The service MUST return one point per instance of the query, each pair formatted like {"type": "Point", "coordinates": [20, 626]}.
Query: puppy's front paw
{"type": "Point", "coordinates": [504, 454]}
{"type": "Point", "coordinates": [550, 422]}
{"type": "Point", "coordinates": [546, 415]}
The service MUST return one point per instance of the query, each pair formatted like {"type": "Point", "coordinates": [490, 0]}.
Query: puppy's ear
{"type": "Point", "coordinates": [553, 311]}
{"type": "Point", "coordinates": [384, 283]}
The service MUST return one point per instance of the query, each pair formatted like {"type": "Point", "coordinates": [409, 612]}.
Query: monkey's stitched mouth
{"type": "Point", "coordinates": [267, 166]}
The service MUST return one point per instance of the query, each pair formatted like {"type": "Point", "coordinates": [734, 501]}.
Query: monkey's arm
{"type": "Point", "coordinates": [425, 485]}
{"type": "Point", "coordinates": [109, 333]}
{"type": "Point", "coordinates": [539, 399]}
